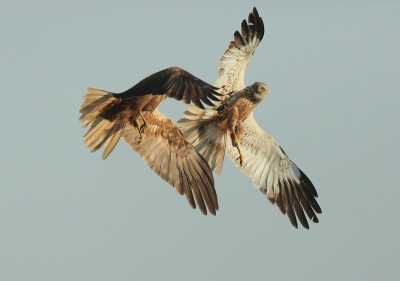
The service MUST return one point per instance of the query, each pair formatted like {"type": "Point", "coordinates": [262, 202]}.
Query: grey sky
{"type": "Point", "coordinates": [333, 73]}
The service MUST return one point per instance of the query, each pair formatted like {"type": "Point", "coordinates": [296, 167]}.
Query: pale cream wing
{"type": "Point", "coordinates": [175, 160]}
{"type": "Point", "coordinates": [275, 174]}
{"type": "Point", "coordinates": [234, 62]}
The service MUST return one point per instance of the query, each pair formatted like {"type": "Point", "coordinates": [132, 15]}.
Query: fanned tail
{"type": "Point", "coordinates": [202, 132]}
{"type": "Point", "coordinates": [101, 132]}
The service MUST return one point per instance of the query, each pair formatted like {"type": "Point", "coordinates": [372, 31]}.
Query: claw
{"type": "Point", "coordinates": [240, 157]}
{"type": "Point", "coordinates": [139, 139]}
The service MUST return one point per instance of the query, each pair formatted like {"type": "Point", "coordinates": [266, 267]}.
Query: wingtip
{"type": "Point", "coordinates": [255, 10]}
{"type": "Point", "coordinates": [204, 212]}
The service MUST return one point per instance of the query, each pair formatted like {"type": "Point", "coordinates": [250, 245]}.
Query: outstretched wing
{"type": "Point", "coordinates": [275, 174]}
{"type": "Point", "coordinates": [234, 62]}
{"type": "Point", "coordinates": [170, 156]}
{"type": "Point", "coordinates": [176, 83]}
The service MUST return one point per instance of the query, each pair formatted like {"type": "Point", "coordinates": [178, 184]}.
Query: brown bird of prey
{"type": "Point", "coordinates": [133, 114]}
{"type": "Point", "coordinates": [252, 150]}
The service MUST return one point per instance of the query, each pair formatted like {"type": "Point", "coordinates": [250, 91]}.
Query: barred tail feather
{"type": "Point", "coordinates": [101, 132]}
{"type": "Point", "coordinates": [204, 135]}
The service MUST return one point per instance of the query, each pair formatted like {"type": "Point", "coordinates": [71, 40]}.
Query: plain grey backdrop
{"type": "Point", "coordinates": [333, 71]}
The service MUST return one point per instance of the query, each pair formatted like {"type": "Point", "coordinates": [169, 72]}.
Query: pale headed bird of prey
{"type": "Point", "coordinates": [229, 128]}
{"type": "Point", "coordinates": [133, 114]}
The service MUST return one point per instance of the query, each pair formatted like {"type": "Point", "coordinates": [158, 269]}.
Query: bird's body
{"type": "Point", "coordinates": [252, 150]}
{"type": "Point", "coordinates": [133, 115]}
{"type": "Point", "coordinates": [244, 101]}
{"type": "Point", "coordinates": [237, 108]}
{"type": "Point", "coordinates": [128, 110]}
{"type": "Point", "coordinates": [234, 110]}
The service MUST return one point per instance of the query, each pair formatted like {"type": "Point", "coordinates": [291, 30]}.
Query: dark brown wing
{"type": "Point", "coordinates": [175, 83]}
{"type": "Point", "coordinates": [171, 157]}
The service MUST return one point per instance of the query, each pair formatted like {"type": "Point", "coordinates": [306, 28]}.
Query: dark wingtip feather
{"type": "Point", "coordinates": [308, 184]}
{"type": "Point", "coordinates": [214, 98]}
{"type": "Point", "coordinates": [199, 104]}
{"type": "Point", "coordinates": [292, 218]}
{"type": "Point", "coordinates": [261, 36]}
{"type": "Point", "coordinates": [288, 199]}
{"type": "Point", "coordinates": [296, 204]}
{"type": "Point", "coordinates": [295, 200]}
{"type": "Point", "coordinates": [256, 19]}
{"type": "Point", "coordinates": [251, 18]}
{"type": "Point", "coordinates": [245, 30]}
{"type": "Point", "coordinates": [278, 201]}
{"type": "Point", "coordinates": [238, 39]}
{"type": "Point", "coordinates": [317, 208]}
{"type": "Point", "coordinates": [207, 101]}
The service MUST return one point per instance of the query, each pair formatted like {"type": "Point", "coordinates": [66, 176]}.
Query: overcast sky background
{"type": "Point", "coordinates": [333, 72]}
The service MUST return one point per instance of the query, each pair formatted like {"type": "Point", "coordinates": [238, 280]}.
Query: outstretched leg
{"type": "Point", "coordinates": [240, 157]}
{"type": "Point", "coordinates": [239, 130]}
{"type": "Point", "coordinates": [144, 125]}
{"type": "Point", "coordinates": [236, 129]}
{"type": "Point", "coordinates": [235, 143]}
{"type": "Point", "coordinates": [136, 125]}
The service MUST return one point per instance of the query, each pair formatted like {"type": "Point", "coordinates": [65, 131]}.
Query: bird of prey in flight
{"type": "Point", "coordinates": [133, 114]}
{"type": "Point", "coordinates": [229, 128]}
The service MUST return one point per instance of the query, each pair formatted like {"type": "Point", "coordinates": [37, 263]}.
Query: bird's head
{"type": "Point", "coordinates": [260, 89]}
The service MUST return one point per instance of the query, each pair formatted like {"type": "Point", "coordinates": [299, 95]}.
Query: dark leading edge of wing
{"type": "Point", "coordinates": [176, 83]}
